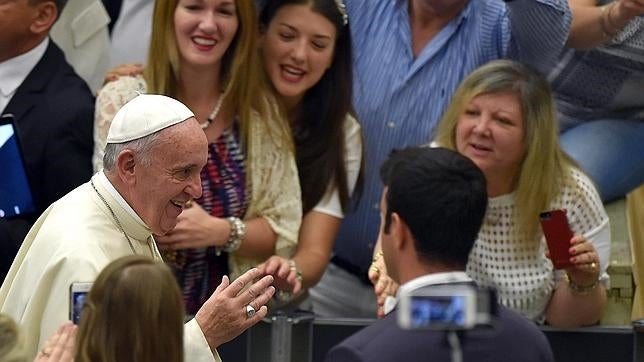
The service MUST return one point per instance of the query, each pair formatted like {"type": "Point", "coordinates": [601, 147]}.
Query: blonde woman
{"type": "Point", "coordinates": [204, 54]}
{"type": "Point", "coordinates": [503, 118]}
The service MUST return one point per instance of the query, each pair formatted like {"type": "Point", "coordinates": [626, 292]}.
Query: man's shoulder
{"type": "Point", "coordinates": [511, 336]}
{"type": "Point", "coordinates": [361, 345]}
{"type": "Point", "coordinates": [512, 319]}
{"type": "Point", "coordinates": [59, 79]}
{"type": "Point", "coordinates": [384, 340]}
{"type": "Point", "coordinates": [75, 215]}
{"type": "Point", "coordinates": [520, 336]}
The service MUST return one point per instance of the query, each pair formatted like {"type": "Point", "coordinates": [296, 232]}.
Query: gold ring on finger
{"type": "Point", "coordinates": [378, 255]}
{"type": "Point", "coordinates": [375, 269]}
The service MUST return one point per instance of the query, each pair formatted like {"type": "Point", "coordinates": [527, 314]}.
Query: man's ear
{"type": "Point", "coordinates": [46, 15]}
{"type": "Point", "coordinates": [399, 232]}
{"type": "Point", "coordinates": [125, 166]}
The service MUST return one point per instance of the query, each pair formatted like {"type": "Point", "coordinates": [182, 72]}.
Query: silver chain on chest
{"type": "Point", "coordinates": [118, 223]}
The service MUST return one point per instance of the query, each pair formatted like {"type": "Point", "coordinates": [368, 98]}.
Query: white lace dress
{"type": "Point", "coordinates": [523, 276]}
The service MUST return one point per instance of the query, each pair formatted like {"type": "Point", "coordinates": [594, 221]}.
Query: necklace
{"type": "Point", "coordinates": [118, 223]}
{"type": "Point", "coordinates": [214, 112]}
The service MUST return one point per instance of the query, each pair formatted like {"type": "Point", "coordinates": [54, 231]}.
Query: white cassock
{"type": "Point", "coordinates": [72, 241]}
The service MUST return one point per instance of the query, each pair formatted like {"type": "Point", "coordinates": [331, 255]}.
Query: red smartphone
{"type": "Point", "coordinates": [555, 228]}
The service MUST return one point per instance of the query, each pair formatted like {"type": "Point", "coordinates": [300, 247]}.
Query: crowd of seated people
{"type": "Point", "coordinates": [301, 101]}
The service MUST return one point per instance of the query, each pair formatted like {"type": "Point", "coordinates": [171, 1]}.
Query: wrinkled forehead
{"type": "Point", "coordinates": [185, 139]}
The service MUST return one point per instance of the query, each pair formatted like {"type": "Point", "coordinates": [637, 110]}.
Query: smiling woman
{"type": "Point", "coordinates": [306, 51]}
{"type": "Point", "coordinates": [204, 53]}
{"type": "Point", "coordinates": [298, 46]}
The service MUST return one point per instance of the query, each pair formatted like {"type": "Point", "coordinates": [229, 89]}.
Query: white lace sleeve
{"type": "Point", "coordinates": [109, 100]}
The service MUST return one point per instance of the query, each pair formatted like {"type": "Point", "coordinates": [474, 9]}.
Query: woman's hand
{"type": "Point", "coordinates": [285, 273]}
{"type": "Point", "coordinates": [383, 285]}
{"type": "Point", "coordinates": [60, 346]}
{"type": "Point", "coordinates": [123, 70]}
{"type": "Point", "coordinates": [585, 270]}
{"type": "Point", "coordinates": [628, 9]}
{"type": "Point", "coordinates": [195, 229]}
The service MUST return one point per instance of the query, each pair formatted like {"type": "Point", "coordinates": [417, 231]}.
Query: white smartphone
{"type": "Point", "coordinates": [441, 307]}
{"type": "Point", "coordinates": [77, 294]}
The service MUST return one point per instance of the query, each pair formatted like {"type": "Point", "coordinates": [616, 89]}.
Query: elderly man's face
{"type": "Point", "coordinates": [173, 178]}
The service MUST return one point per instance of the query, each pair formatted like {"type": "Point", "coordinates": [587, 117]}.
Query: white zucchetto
{"type": "Point", "coordinates": [145, 115]}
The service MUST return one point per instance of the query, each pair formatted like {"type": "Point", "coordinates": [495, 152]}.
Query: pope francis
{"type": "Point", "coordinates": [155, 151]}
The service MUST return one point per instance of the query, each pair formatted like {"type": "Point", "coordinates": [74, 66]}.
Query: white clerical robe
{"type": "Point", "coordinates": [72, 241]}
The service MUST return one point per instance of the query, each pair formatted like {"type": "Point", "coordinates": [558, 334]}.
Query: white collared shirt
{"type": "Point", "coordinates": [426, 280]}
{"type": "Point", "coordinates": [14, 71]}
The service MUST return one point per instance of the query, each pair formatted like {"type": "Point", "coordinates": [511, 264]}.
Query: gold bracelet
{"type": "Point", "coordinates": [581, 289]}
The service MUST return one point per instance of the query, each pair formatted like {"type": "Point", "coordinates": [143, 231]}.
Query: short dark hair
{"type": "Point", "coordinates": [441, 196]}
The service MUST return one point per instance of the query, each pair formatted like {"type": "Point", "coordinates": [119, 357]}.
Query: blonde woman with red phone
{"type": "Point", "coordinates": [502, 117]}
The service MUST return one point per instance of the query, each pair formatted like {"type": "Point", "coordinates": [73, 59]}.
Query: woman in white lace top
{"type": "Point", "coordinates": [503, 118]}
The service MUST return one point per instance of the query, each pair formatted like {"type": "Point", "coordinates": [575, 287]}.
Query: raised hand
{"type": "Point", "coordinates": [234, 307]}
{"type": "Point", "coordinates": [60, 346]}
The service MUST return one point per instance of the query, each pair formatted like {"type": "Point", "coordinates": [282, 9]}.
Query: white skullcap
{"type": "Point", "coordinates": [145, 115]}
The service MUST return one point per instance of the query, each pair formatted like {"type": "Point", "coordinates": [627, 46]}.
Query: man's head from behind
{"type": "Point", "coordinates": [25, 23]}
{"type": "Point", "coordinates": [432, 209]}
{"type": "Point", "coordinates": [154, 155]}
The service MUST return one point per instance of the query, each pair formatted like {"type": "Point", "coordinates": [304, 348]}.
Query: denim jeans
{"type": "Point", "coordinates": [611, 152]}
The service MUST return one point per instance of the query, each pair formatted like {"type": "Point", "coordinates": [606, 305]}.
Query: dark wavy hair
{"type": "Point", "coordinates": [319, 127]}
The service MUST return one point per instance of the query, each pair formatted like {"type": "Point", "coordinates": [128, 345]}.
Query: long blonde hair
{"type": "Point", "coordinates": [545, 168]}
{"type": "Point", "coordinates": [134, 312]}
{"type": "Point", "coordinates": [245, 84]}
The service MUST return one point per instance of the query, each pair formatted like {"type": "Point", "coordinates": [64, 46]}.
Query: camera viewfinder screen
{"type": "Point", "coordinates": [437, 310]}
{"type": "Point", "coordinates": [77, 308]}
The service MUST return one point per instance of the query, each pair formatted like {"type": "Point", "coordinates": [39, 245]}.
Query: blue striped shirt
{"type": "Point", "coordinates": [399, 98]}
